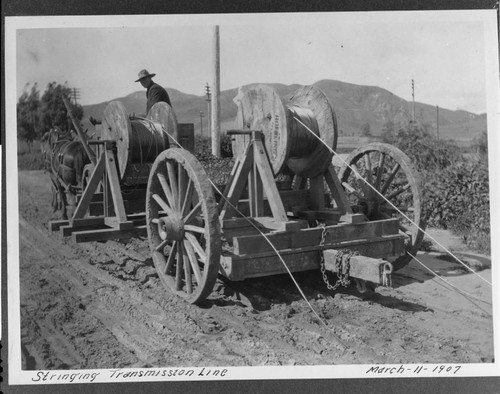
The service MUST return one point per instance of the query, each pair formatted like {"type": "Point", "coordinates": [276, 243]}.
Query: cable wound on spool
{"type": "Point", "coordinates": [311, 113]}
{"type": "Point", "coordinates": [302, 142]}
{"type": "Point", "coordinates": [146, 142]}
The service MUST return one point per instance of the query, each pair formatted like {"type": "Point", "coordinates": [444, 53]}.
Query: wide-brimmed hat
{"type": "Point", "coordinates": [143, 74]}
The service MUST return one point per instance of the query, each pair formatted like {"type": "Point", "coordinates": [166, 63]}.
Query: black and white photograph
{"type": "Point", "coordinates": [209, 197]}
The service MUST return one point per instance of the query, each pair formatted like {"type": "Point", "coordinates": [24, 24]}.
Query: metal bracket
{"type": "Point", "coordinates": [386, 274]}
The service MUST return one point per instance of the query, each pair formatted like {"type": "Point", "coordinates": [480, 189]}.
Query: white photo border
{"type": "Point", "coordinates": [18, 376]}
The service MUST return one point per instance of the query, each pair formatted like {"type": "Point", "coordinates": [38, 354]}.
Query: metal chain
{"type": "Point", "coordinates": [322, 260]}
{"type": "Point", "coordinates": [342, 265]}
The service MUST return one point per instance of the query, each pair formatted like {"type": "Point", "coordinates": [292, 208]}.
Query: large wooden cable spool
{"type": "Point", "coordinates": [138, 141]}
{"type": "Point", "coordinates": [288, 128]}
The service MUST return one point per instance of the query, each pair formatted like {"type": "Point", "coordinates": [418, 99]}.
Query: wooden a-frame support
{"type": "Point", "coordinates": [318, 190]}
{"type": "Point", "coordinates": [253, 167]}
{"type": "Point", "coordinates": [105, 170]}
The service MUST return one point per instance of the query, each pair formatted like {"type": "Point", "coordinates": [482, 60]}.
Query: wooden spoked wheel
{"type": "Point", "coordinates": [183, 225]}
{"type": "Point", "coordinates": [392, 175]}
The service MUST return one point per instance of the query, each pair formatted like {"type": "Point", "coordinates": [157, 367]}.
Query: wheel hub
{"type": "Point", "coordinates": [171, 227]}
{"type": "Point", "coordinates": [370, 207]}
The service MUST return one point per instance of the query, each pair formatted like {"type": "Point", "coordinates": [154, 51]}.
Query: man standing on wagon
{"type": "Point", "coordinates": [154, 93]}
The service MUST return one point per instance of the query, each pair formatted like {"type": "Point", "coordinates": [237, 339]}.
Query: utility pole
{"type": "Point", "coordinates": [216, 96]}
{"type": "Point", "coordinates": [437, 120]}
{"type": "Point", "coordinates": [74, 96]}
{"type": "Point", "coordinates": [75, 93]}
{"type": "Point", "coordinates": [208, 99]}
{"type": "Point", "coordinates": [201, 124]}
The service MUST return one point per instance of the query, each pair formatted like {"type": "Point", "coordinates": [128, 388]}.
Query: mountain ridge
{"type": "Point", "coordinates": [359, 109]}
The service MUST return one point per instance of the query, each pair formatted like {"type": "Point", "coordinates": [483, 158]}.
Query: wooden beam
{"type": "Point", "coordinates": [240, 222]}
{"type": "Point", "coordinates": [252, 244]}
{"type": "Point", "coordinates": [114, 185]}
{"type": "Point", "coordinates": [114, 222]}
{"type": "Point", "coordinates": [96, 223]}
{"type": "Point", "coordinates": [299, 183]}
{"type": "Point", "coordinates": [227, 187]}
{"type": "Point", "coordinates": [302, 259]}
{"type": "Point", "coordinates": [317, 193]}
{"type": "Point", "coordinates": [81, 135]}
{"type": "Point", "coordinates": [87, 222]}
{"type": "Point", "coordinates": [238, 181]}
{"type": "Point", "coordinates": [55, 225]}
{"type": "Point", "coordinates": [236, 270]}
{"type": "Point", "coordinates": [330, 216]}
{"type": "Point", "coordinates": [89, 191]}
{"type": "Point", "coordinates": [107, 234]}
{"type": "Point", "coordinates": [353, 218]}
{"type": "Point", "coordinates": [255, 192]}
{"type": "Point", "coordinates": [269, 185]}
{"type": "Point", "coordinates": [337, 190]}
{"type": "Point", "coordinates": [278, 225]}
{"type": "Point", "coordinates": [360, 267]}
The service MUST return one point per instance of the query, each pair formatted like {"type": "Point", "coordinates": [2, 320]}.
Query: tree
{"type": "Point", "coordinates": [37, 115]}
{"type": "Point", "coordinates": [53, 109]}
{"type": "Point", "coordinates": [425, 151]}
{"type": "Point", "coordinates": [28, 116]}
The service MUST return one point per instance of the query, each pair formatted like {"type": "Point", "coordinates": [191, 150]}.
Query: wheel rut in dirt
{"type": "Point", "coordinates": [102, 305]}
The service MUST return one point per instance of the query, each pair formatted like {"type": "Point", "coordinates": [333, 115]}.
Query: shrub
{"type": "Point", "coordinates": [204, 147]}
{"type": "Point", "coordinates": [458, 199]}
{"type": "Point", "coordinates": [456, 184]}
{"type": "Point", "coordinates": [425, 151]}
{"type": "Point", "coordinates": [218, 169]}
{"type": "Point", "coordinates": [226, 146]}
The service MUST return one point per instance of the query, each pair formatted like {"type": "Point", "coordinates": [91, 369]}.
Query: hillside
{"type": "Point", "coordinates": [354, 105]}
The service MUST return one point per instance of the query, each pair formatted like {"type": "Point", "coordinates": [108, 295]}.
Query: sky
{"type": "Point", "coordinates": [444, 52]}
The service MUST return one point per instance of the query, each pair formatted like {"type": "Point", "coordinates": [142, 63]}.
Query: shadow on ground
{"type": "Point", "coordinates": [262, 293]}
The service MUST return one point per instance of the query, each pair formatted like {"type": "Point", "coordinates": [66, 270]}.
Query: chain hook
{"type": "Point", "coordinates": [342, 263]}
{"type": "Point", "coordinates": [386, 275]}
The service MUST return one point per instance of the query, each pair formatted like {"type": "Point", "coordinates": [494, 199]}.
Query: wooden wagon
{"type": "Point", "coordinates": [284, 208]}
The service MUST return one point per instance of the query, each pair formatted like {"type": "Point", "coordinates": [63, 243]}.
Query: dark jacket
{"type": "Point", "coordinates": [155, 93]}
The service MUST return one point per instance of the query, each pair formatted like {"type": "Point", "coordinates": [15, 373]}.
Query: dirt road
{"type": "Point", "coordinates": [101, 305]}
